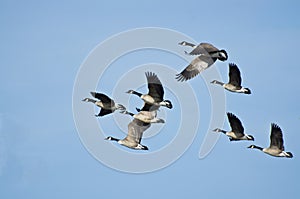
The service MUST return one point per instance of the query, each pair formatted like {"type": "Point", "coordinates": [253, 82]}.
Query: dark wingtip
{"type": "Point", "coordinates": [93, 93]}
{"type": "Point", "coordinates": [232, 65]}
{"type": "Point", "coordinates": [180, 77]}
{"type": "Point", "coordinates": [229, 114]}
{"type": "Point", "coordinates": [275, 126]}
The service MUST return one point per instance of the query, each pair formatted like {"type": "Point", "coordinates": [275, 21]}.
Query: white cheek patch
{"type": "Point", "coordinates": [223, 54]}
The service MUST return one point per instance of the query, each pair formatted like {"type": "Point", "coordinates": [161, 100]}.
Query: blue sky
{"type": "Point", "coordinates": [43, 45]}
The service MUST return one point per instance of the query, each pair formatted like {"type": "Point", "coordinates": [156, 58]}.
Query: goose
{"type": "Point", "coordinates": [106, 104]}
{"type": "Point", "coordinates": [237, 129]}
{"type": "Point", "coordinates": [207, 56]}
{"type": "Point", "coordinates": [276, 147]}
{"type": "Point", "coordinates": [136, 128]}
{"type": "Point", "coordinates": [155, 96]}
{"type": "Point", "coordinates": [145, 116]}
{"type": "Point", "coordinates": [235, 81]}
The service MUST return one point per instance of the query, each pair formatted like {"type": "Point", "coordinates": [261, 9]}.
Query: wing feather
{"type": "Point", "coordinates": [104, 112]}
{"type": "Point", "coordinates": [199, 64]}
{"type": "Point", "coordinates": [136, 129]}
{"type": "Point", "coordinates": [236, 125]}
{"type": "Point", "coordinates": [234, 75]}
{"type": "Point", "coordinates": [103, 98]}
{"type": "Point", "coordinates": [276, 137]}
{"type": "Point", "coordinates": [155, 87]}
{"type": "Point", "coordinates": [204, 49]}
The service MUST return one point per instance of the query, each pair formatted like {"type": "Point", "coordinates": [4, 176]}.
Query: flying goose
{"type": "Point", "coordinates": [106, 104]}
{"type": "Point", "coordinates": [208, 54]}
{"type": "Point", "coordinates": [276, 147]}
{"type": "Point", "coordinates": [237, 129]}
{"type": "Point", "coordinates": [134, 136]}
{"type": "Point", "coordinates": [145, 116]}
{"type": "Point", "coordinates": [155, 97]}
{"type": "Point", "coordinates": [235, 81]}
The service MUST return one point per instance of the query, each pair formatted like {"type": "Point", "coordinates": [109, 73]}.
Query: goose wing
{"type": "Point", "coordinates": [149, 107]}
{"type": "Point", "coordinates": [276, 137]}
{"type": "Point", "coordinates": [234, 75]}
{"type": "Point", "coordinates": [236, 125]}
{"type": "Point", "coordinates": [103, 98]}
{"type": "Point", "coordinates": [203, 49]}
{"type": "Point", "coordinates": [104, 112]}
{"type": "Point", "coordinates": [199, 64]}
{"type": "Point", "coordinates": [155, 87]}
{"type": "Point", "coordinates": [136, 129]}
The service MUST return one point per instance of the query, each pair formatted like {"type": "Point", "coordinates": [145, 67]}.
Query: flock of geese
{"type": "Point", "coordinates": [206, 55]}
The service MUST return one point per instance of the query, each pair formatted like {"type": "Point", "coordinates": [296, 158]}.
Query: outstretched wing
{"type": "Point", "coordinates": [236, 125]}
{"type": "Point", "coordinates": [136, 129]}
{"type": "Point", "coordinates": [203, 48]}
{"type": "Point", "coordinates": [276, 137]}
{"type": "Point", "coordinates": [149, 107]}
{"type": "Point", "coordinates": [155, 87]}
{"type": "Point", "coordinates": [104, 112]}
{"type": "Point", "coordinates": [234, 75]}
{"type": "Point", "coordinates": [103, 98]}
{"type": "Point", "coordinates": [199, 64]}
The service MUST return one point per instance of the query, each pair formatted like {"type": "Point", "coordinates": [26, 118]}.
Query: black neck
{"type": "Point", "coordinates": [223, 131]}
{"type": "Point", "coordinates": [258, 147]}
{"type": "Point", "coordinates": [190, 44]}
{"type": "Point", "coordinates": [114, 139]}
{"type": "Point", "coordinates": [137, 93]}
{"type": "Point", "coordinates": [129, 113]}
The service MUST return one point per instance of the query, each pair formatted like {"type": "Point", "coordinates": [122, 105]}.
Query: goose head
{"type": "Point", "coordinates": [168, 104]}
{"type": "Point", "coordinates": [141, 147]}
{"type": "Point", "coordinates": [289, 155]}
{"type": "Point", "coordinates": [250, 137]}
{"type": "Point", "coordinates": [217, 82]}
{"type": "Point", "coordinates": [252, 146]}
{"type": "Point", "coordinates": [130, 91]}
{"type": "Point", "coordinates": [111, 138]}
{"type": "Point", "coordinates": [86, 100]}
{"type": "Point", "coordinates": [223, 56]}
{"type": "Point", "coordinates": [217, 130]}
{"type": "Point", "coordinates": [183, 43]}
{"type": "Point", "coordinates": [246, 91]}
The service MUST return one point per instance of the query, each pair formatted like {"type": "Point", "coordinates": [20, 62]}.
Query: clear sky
{"type": "Point", "coordinates": [43, 45]}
